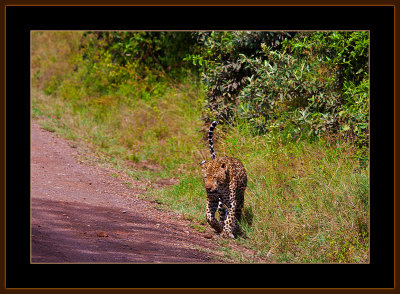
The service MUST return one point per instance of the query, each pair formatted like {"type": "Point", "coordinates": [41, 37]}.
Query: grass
{"type": "Point", "coordinates": [306, 202]}
{"type": "Point", "coordinates": [187, 198]}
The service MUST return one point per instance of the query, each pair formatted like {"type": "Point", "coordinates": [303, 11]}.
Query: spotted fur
{"type": "Point", "coordinates": [225, 181]}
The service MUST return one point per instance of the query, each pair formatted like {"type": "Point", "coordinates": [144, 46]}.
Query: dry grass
{"type": "Point", "coordinates": [51, 54]}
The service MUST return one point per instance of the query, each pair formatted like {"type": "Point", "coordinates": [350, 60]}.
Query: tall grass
{"type": "Point", "coordinates": [305, 201]}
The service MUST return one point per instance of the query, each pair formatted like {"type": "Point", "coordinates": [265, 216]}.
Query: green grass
{"type": "Point", "coordinates": [305, 202]}
{"type": "Point", "coordinates": [187, 198]}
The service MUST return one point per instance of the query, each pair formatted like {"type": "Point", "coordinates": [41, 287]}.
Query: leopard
{"type": "Point", "coordinates": [225, 181]}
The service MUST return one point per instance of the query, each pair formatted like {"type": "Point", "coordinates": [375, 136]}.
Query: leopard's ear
{"type": "Point", "coordinates": [202, 162]}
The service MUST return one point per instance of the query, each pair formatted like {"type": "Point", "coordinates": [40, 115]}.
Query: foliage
{"type": "Point", "coordinates": [160, 51]}
{"type": "Point", "coordinates": [346, 56]}
{"type": "Point", "coordinates": [226, 66]}
{"type": "Point", "coordinates": [346, 53]}
{"type": "Point", "coordinates": [302, 84]}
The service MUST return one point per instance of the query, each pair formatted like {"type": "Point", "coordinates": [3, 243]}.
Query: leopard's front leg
{"type": "Point", "coordinates": [222, 211]}
{"type": "Point", "coordinates": [230, 223]}
{"type": "Point", "coordinates": [212, 206]}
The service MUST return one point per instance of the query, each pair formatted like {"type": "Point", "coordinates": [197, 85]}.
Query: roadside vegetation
{"type": "Point", "coordinates": [292, 106]}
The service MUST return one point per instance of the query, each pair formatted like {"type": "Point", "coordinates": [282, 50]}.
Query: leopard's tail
{"type": "Point", "coordinates": [210, 139]}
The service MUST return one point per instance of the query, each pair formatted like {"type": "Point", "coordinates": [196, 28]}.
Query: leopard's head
{"type": "Point", "coordinates": [215, 175]}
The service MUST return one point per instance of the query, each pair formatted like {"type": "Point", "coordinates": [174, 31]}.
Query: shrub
{"type": "Point", "coordinates": [305, 84]}
{"type": "Point", "coordinates": [161, 51]}
{"type": "Point", "coordinates": [228, 59]}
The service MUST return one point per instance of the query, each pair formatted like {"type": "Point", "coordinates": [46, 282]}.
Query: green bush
{"type": "Point", "coordinates": [161, 52]}
{"type": "Point", "coordinates": [227, 60]}
{"type": "Point", "coordinates": [346, 56]}
{"type": "Point", "coordinates": [302, 84]}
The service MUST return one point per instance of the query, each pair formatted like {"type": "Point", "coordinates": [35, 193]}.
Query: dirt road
{"type": "Point", "coordinates": [81, 213]}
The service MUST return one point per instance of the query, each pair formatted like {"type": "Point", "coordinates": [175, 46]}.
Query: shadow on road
{"type": "Point", "coordinates": [78, 232]}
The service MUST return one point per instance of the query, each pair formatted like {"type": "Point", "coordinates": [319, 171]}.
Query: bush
{"type": "Point", "coordinates": [161, 51]}
{"type": "Point", "coordinates": [345, 54]}
{"type": "Point", "coordinates": [228, 59]}
{"type": "Point", "coordinates": [306, 84]}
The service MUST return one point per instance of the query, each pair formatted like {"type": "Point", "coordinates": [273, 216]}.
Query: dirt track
{"type": "Point", "coordinates": [81, 213]}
